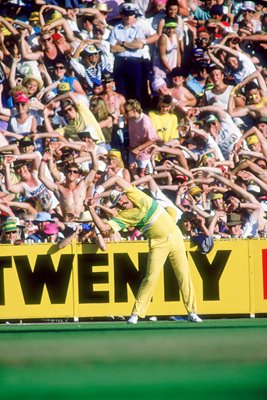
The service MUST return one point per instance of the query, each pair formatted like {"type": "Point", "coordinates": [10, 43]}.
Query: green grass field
{"type": "Point", "coordinates": [218, 359]}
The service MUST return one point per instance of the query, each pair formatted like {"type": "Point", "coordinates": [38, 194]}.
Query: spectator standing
{"type": "Point", "coordinates": [127, 41]}
{"type": "Point", "coordinates": [142, 135]}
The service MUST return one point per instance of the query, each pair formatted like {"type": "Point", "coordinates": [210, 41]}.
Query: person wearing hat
{"type": "Point", "coordinates": [51, 233]}
{"type": "Point", "coordinates": [33, 85]}
{"type": "Point", "coordinates": [90, 139]}
{"type": "Point", "coordinates": [136, 209]}
{"type": "Point", "coordinates": [93, 15]}
{"type": "Point", "coordinates": [22, 121]}
{"type": "Point", "coordinates": [42, 218]}
{"type": "Point", "coordinates": [217, 201]}
{"type": "Point", "coordinates": [34, 20]}
{"type": "Point", "coordinates": [9, 233]}
{"type": "Point", "coordinates": [94, 63]}
{"type": "Point", "coordinates": [127, 40]}
{"type": "Point", "coordinates": [66, 82]}
{"type": "Point", "coordinates": [114, 100]}
{"type": "Point", "coordinates": [253, 143]}
{"type": "Point", "coordinates": [77, 116]}
{"type": "Point", "coordinates": [72, 192]}
{"type": "Point", "coordinates": [234, 224]}
{"type": "Point", "coordinates": [248, 22]}
{"type": "Point", "coordinates": [167, 56]}
{"type": "Point", "coordinates": [115, 165]}
{"type": "Point", "coordinates": [174, 9]}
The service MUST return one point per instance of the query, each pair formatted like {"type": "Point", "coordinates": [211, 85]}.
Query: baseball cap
{"type": "Point", "coordinates": [21, 98]}
{"type": "Point", "coordinates": [195, 190]}
{"type": "Point", "coordinates": [63, 87]}
{"type": "Point", "coordinates": [90, 132]}
{"type": "Point", "coordinates": [216, 196]}
{"type": "Point", "coordinates": [91, 49]}
{"type": "Point", "coordinates": [107, 77]}
{"type": "Point", "coordinates": [216, 9]}
{"type": "Point", "coordinates": [252, 139]}
{"type": "Point", "coordinates": [57, 36]}
{"type": "Point", "coordinates": [248, 5]}
{"type": "Point", "coordinates": [178, 71]}
{"type": "Point", "coordinates": [261, 120]}
{"type": "Point", "coordinates": [170, 22]}
{"type": "Point", "coordinates": [211, 118]}
{"type": "Point", "coordinates": [114, 197]}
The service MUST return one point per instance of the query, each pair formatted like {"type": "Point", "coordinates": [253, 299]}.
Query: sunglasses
{"type": "Point", "coordinates": [10, 233]}
{"type": "Point", "coordinates": [20, 104]}
{"type": "Point", "coordinates": [72, 171]}
{"type": "Point", "coordinates": [46, 39]}
{"type": "Point", "coordinates": [59, 67]}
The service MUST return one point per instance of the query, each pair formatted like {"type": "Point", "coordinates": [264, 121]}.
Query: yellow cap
{"type": "Point", "coordinates": [63, 87]}
{"type": "Point", "coordinates": [54, 17]}
{"type": "Point", "coordinates": [195, 190]}
{"type": "Point", "coordinates": [3, 28]}
{"type": "Point", "coordinates": [252, 139]}
{"type": "Point", "coordinates": [216, 196]}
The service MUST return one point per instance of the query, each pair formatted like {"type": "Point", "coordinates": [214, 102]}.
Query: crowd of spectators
{"type": "Point", "coordinates": [168, 94]}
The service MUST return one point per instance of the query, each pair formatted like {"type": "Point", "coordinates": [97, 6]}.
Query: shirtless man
{"type": "Point", "coordinates": [184, 98]}
{"type": "Point", "coordinates": [72, 192]}
{"type": "Point", "coordinates": [115, 101]}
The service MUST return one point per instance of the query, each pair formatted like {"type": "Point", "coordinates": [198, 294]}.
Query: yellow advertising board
{"type": "Point", "coordinates": [41, 282]}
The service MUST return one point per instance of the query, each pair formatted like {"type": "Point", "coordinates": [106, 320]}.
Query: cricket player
{"type": "Point", "coordinates": [136, 209]}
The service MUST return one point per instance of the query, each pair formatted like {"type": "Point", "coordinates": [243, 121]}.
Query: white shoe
{"type": "Point", "coordinates": [133, 319]}
{"type": "Point", "coordinates": [193, 317]}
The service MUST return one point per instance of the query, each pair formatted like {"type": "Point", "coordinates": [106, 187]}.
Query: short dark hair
{"type": "Point", "coordinates": [72, 165]}
{"type": "Point", "coordinates": [166, 99]}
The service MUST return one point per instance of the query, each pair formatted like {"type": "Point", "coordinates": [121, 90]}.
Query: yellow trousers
{"type": "Point", "coordinates": [159, 249]}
